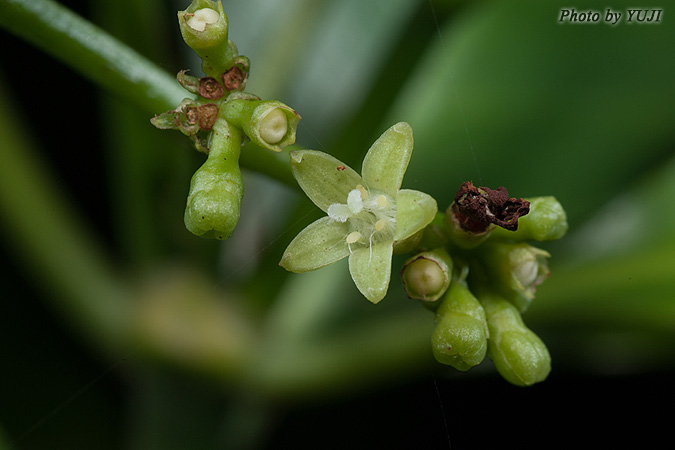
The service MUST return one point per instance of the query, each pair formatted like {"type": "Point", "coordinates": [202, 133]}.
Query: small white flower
{"type": "Point", "coordinates": [365, 214]}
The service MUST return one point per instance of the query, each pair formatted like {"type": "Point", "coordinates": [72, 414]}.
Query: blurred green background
{"type": "Point", "coordinates": [121, 330]}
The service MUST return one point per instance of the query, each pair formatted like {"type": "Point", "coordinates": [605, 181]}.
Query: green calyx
{"type": "Point", "coordinates": [269, 124]}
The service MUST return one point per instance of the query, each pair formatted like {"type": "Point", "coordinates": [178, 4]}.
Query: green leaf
{"type": "Point", "coordinates": [414, 211]}
{"type": "Point", "coordinates": [320, 244]}
{"type": "Point", "coordinates": [541, 108]}
{"type": "Point", "coordinates": [387, 160]}
{"type": "Point", "coordinates": [370, 268]}
{"type": "Point", "coordinates": [323, 178]}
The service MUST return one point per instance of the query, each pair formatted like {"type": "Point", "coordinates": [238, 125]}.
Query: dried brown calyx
{"type": "Point", "coordinates": [475, 208]}
{"type": "Point", "coordinates": [234, 78]}
{"type": "Point", "coordinates": [210, 88]}
{"type": "Point", "coordinates": [208, 113]}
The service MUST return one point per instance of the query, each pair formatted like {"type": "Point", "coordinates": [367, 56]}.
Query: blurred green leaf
{"type": "Point", "coordinates": [507, 96]}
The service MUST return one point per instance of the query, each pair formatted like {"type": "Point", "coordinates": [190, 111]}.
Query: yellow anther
{"type": "Point", "coordinates": [382, 201]}
{"type": "Point", "coordinates": [364, 192]}
{"type": "Point", "coordinates": [380, 224]}
{"type": "Point", "coordinates": [353, 237]}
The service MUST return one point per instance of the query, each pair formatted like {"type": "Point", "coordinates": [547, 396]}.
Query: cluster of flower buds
{"type": "Point", "coordinates": [219, 119]}
{"type": "Point", "coordinates": [475, 268]}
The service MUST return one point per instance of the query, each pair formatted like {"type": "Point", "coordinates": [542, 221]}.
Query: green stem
{"type": "Point", "coordinates": [105, 61]}
{"type": "Point", "coordinates": [139, 155]}
{"type": "Point", "coordinates": [91, 51]}
{"type": "Point", "coordinates": [52, 242]}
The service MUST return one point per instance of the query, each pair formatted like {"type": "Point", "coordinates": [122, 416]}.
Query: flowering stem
{"type": "Point", "coordinates": [108, 63]}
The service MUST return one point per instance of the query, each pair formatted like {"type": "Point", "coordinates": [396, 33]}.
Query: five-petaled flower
{"type": "Point", "coordinates": [366, 215]}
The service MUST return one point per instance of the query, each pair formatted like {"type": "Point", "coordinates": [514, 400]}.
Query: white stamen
{"type": "Point", "coordinates": [203, 17]}
{"type": "Point", "coordinates": [354, 201]}
{"type": "Point", "coordinates": [339, 212]}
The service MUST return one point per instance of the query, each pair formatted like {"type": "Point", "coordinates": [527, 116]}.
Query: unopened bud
{"type": "Point", "coordinates": [516, 270]}
{"type": "Point", "coordinates": [269, 124]}
{"type": "Point", "coordinates": [461, 334]}
{"type": "Point", "coordinates": [547, 221]}
{"type": "Point", "coordinates": [204, 27]}
{"type": "Point", "coordinates": [216, 188]}
{"type": "Point", "coordinates": [427, 275]}
{"type": "Point", "coordinates": [519, 355]}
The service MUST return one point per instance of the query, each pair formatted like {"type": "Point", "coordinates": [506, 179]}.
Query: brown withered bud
{"type": "Point", "coordinates": [210, 88]}
{"type": "Point", "coordinates": [208, 113]}
{"type": "Point", "coordinates": [234, 78]}
{"type": "Point", "coordinates": [475, 208]}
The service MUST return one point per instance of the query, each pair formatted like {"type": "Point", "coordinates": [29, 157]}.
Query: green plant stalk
{"type": "Point", "coordinates": [137, 158]}
{"type": "Point", "coordinates": [91, 52]}
{"type": "Point", "coordinates": [107, 62]}
{"type": "Point", "coordinates": [52, 241]}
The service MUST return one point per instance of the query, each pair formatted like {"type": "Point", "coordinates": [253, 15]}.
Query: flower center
{"type": "Point", "coordinates": [371, 216]}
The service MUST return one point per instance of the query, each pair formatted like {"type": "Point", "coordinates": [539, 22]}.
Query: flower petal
{"type": "Point", "coordinates": [370, 268]}
{"type": "Point", "coordinates": [324, 179]}
{"type": "Point", "coordinates": [388, 158]}
{"type": "Point", "coordinates": [414, 211]}
{"type": "Point", "coordinates": [320, 244]}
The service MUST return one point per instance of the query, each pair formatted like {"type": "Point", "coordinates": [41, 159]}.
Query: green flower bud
{"type": "Point", "coordinates": [204, 28]}
{"type": "Point", "coordinates": [216, 189]}
{"type": "Point", "coordinates": [516, 269]}
{"type": "Point", "coordinates": [427, 275]}
{"type": "Point", "coordinates": [547, 221]}
{"type": "Point", "coordinates": [460, 338]}
{"type": "Point", "coordinates": [269, 124]}
{"type": "Point", "coordinates": [518, 354]}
